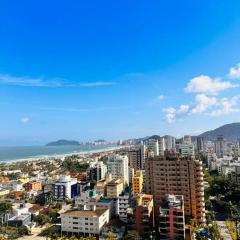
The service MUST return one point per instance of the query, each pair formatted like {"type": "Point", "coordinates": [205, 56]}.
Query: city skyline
{"type": "Point", "coordinates": [117, 70]}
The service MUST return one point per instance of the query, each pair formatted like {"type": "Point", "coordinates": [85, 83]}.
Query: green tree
{"type": "Point", "coordinates": [235, 217]}
{"type": "Point", "coordinates": [41, 219]}
{"type": "Point", "coordinates": [23, 230]}
{"type": "Point", "coordinates": [51, 199]}
{"type": "Point", "coordinates": [53, 213]}
{"type": "Point", "coordinates": [5, 209]}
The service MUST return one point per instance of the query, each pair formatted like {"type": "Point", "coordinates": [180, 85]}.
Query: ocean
{"type": "Point", "coordinates": [38, 152]}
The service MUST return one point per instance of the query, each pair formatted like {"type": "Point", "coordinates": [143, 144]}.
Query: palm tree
{"type": "Point", "coordinates": [51, 198]}
{"type": "Point", "coordinates": [3, 238]}
{"type": "Point", "coordinates": [73, 238]}
{"type": "Point", "coordinates": [111, 236]}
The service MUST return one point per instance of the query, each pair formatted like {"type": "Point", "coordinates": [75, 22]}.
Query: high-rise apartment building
{"type": "Point", "coordinates": [137, 157]}
{"type": "Point", "coordinates": [178, 175]}
{"type": "Point", "coordinates": [118, 166]}
{"type": "Point", "coordinates": [171, 220]}
{"type": "Point", "coordinates": [161, 146]}
{"type": "Point", "coordinates": [187, 139]}
{"type": "Point", "coordinates": [186, 149]}
{"type": "Point", "coordinates": [220, 146]}
{"type": "Point", "coordinates": [137, 182]}
{"type": "Point", "coordinates": [65, 188]}
{"type": "Point", "coordinates": [144, 215]}
{"type": "Point", "coordinates": [143, 148]}
{"type": "Point", "coordinates": [153, 146]}
{"type": "Point", "coordinates": [98, 172]}
{"type": "Point", "coordinates": [124, 204]}
{"type": "Point", "coordinates": [200, 146]}
{"type": "Point", "coordinates": [170, 142]}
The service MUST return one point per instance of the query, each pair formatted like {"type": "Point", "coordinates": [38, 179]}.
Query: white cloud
{"type": "Point", "coordinates": [234, 72]}
{"type": "Point", "coordinates": [184, 108]}
{"type": "Point", "coordinates": [207, 85]}
{"type": "Point", "coordinates": [203, 103]}
{"type": "Point", "coordinates": [206, 98]}
{"type": "Point", "coordinates": [6, 79]}
{"type": "Point", "coordinates": [160, 97]}
{"type": "Point", "coordinates": [170, 114]}
{"type": "Point", "coordinates": [24, 120]}
{"type": "Point", "coordinates": [227, 106]}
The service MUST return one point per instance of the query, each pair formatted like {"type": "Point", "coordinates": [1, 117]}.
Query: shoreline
{"type": "Point", "coordinates": [60, 156]}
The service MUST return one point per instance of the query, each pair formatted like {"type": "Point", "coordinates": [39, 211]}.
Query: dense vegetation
{"type": "Point", "coordinates": [71, 164]}
{"type": "Point", "coordinates": [224, 191]}
{"type": "Point", "coordinates": [222, 200]}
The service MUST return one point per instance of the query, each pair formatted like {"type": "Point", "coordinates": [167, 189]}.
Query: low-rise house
{"type": "Point", "coordinates": [4, 179]}
{"type": "Point", "coordinates": [16, 186]}
{"type": "Point", "coordinates": [24, 179]}
{"type": "Point", "coordinates": [33, 186]}
{"type": "Point", "coordinates": [3, 192]}
{"type": "Point", "coordinates": [81, 176]}
{"type": "Point", "coordinates": [36, 209]}
{"type": "Point", "coordinates": [90, 198]}
{"type": "Point", "coordinates": [21, 220]}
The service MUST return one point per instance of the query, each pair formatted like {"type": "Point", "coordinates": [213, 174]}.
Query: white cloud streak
{"type": "Point", "coordinates": [6, 79]}
{"type": "Point", "coordinates": [100, 109]}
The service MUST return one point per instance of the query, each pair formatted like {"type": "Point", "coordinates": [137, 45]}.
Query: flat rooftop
{"type": "Point", "coordinates": [85, 213]}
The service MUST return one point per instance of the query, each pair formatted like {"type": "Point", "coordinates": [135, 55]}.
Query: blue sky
{"type": "Point", "coordinates": [117, 69]}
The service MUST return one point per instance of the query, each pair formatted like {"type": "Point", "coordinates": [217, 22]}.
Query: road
{"type": "Point", "coordinates": [223, 230]}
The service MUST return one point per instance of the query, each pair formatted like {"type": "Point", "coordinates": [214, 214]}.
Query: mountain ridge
{"type": "Point", "coordinates": [230, 132]}
{"type": "Point", "coordinates": [63, 142]}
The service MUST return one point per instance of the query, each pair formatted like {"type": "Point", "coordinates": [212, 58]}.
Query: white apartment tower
{"type": "Point", "coordinates": [187, 139]}
{"type": "Point", "coordinates": [153, 147]}
{"type": "Point", "coordinates": [118, 166]}
{"type": "Point", "coordinates": [161, 146]}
